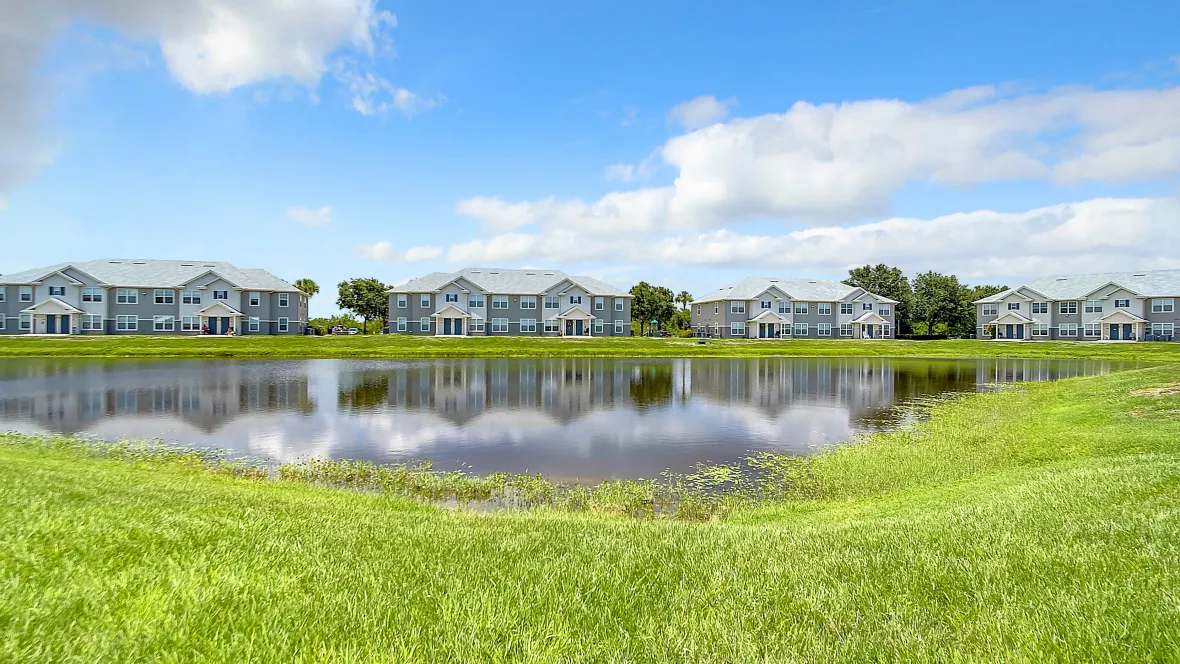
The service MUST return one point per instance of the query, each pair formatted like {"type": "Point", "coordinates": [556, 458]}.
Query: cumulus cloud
{"type": "Point", "coordinates": [700, 112]}
{"type": "Point", "coordinates": [309, 217]}
{"type": "Point", "coordinates": [384, 251]}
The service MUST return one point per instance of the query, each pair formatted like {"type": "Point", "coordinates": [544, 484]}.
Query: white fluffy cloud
{"type": "Point", "coordinates": [700, 112]}
{"type": "Point", "coordinates": [310, 217]}
{"type": "Point", "coordinates": [384, 251]}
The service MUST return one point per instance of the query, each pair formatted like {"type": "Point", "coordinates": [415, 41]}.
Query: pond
{"type": "Point", "coordinates": [570, 419]}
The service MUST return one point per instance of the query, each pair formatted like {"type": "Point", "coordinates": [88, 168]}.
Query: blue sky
{"type": "Point", "coordinates": [685, 143]}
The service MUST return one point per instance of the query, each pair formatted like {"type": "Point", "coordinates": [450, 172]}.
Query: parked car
{"type": "Point", "coordinates": [353, 330]}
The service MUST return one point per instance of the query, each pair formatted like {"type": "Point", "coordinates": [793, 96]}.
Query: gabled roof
{"type": "Point", "coordinates": [870, 317]}
{"type": "Point", "coordinates": [223, 305]}
{"type": "Point", "coordinates": [157, 274]}
{"type": "Point", "coordinates": [64, 306]}
{"type": "Point", "coordinates": [1125, 314]}
{"type": "Point", "coordinates": [804, 290]}
{"type": "Point", "coordinates": [450, 311]}
{"type": "Point", "coordinates": [767, 316]}
{"type": "Point", "coordinates": [575, 311]}
{"type": "Point", "coordinates": [1149, 283]}
{"type": "Point", "coordinates": [499, 281]}
{"type": "Point", "coordinates": [1011, 316]}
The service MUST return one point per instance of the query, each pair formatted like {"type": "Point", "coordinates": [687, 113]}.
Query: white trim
{"type": "Point", "coordinates": [288, 298]}
{"type": "Point", "coordinates": [619, 326]}
{"type": "Point", "coordinates": [163, 323]}
{"type": "Point", "coordinates": [253, 324]}
{"type": "Point", "coordinates": [284, 324]}
{"type": "Point", "coordinates": [450, 311]}
{"type": "Point", "coordinates": [64, 307]}
{"type": "Point", "coordinates": [222, 305]}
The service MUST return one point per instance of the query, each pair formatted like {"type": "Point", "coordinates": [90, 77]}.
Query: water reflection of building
{"type": "Point", "coordinates": [73, 400]}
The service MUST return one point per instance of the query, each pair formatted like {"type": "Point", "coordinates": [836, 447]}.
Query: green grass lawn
{"type": "Point", "coordinates": [403, 346]}
{"type": "Point", "coordinates": [1040, 523]}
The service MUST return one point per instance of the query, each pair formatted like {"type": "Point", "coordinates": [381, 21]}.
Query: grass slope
{"type": "Point", "coordinates": [1038, 524]}
{"type": "Point", "coordinates": [401, 346]}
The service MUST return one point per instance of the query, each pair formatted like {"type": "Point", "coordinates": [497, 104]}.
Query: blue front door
{"type": "Point", "coordinates": [868, 331]}
{"type": "Point", "coordinates": [569, 327]}
{"type": "Point", "coordinates": [51, 324]}
{"type": "Point", "coordinates": [761, 330]}
{"type": "Point", "coordinates": [578, 328]}
{"type": "Point", "coordinates": [458, 326]}
{"type": "Point", "coordinates": [446, 326]}
{"type": "Point", "coordinates": [1114, 332]}
{"type": "Point", "coordinates": [1127, 332]}
{"type": "Point", "coordinates": [770, 330]}
{"type": "Point", "coordinates": [1020, 331]}
{"type": "Point", "coordinates": [224, 324]}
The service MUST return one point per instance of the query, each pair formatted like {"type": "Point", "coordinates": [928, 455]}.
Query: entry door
{"type": "Point", "coordinates": [868, 331]}
{"type": "Point", "coordinates": [446, 326]}
{"type": "Point", "coordinates": [1114, 331]}
{"type": "Point", "coordinates": [51, 324]}
{"type": "Point", "coordinates": [578, 328]}
{"type": "Point", "coordinates": [458, 326]}
{"type": "Point", "coordinates": [224, 324]}
{"type": "Point", "coordinates": [1127, 332]}
{"type": "Point", "coordinates": [1020, 331]}
{"type": "Point", "coordinates": [761, 330]}
{"type": "Point", "coordinates": [770, 330]}
{"type": "Point", "coordinates": [569, 327]}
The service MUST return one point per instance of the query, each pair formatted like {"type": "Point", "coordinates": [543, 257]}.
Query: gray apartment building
{"type": "Point", "coordinates": [131, 296]}
{"type": "Point", "coordinates": [770, 308]}
{"type": "Point", "coordinates": [1114, 306]}
{"type": "Point", "coordinates": [494, 302]}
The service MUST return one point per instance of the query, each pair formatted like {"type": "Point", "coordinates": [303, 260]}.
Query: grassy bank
{"type": "Point", "coordinates": [1034, 524]}
{"type": "Point", "coordinates": [396, 346]}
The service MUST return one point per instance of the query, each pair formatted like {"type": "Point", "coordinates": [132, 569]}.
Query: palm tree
{"type": "Point", "coordinates": [307, 286]}
{"type": "Point", "coordinates": [684, 299]}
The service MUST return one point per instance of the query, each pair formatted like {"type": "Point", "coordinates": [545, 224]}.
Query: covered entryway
{"type": "Point", "coordinates": [450, 321]}
{"type": "Point", "coordinates": [766, 325]}
{"type": "Point", "coordinates": [575, 322]}
{"type": "Point", "coordinates": [53, 316]}
{"type": "Point", "coordinates": [869, 325]}
{"type": "Point", "coordinates": [221, 319]}
{"type": "Point", "coordinates": [1011, 326]}
{"type": "Point", "coordinates": [1122, 325]}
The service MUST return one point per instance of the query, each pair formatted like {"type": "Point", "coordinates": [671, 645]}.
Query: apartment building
{"type": "Point", "coordinates": [1115, 306]}
{"type": "Point", "coordinates": [495, 302]}
{"type": "Point", "coordinates": [769, 308]}
{"type": "Point", "coordinates": [131, 296]}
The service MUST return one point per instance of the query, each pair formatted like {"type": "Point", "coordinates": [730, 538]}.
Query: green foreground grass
{"type": "Point", "coordinates": [1033, 524]}
{"type": "Point", "coordinates": [404, 347]}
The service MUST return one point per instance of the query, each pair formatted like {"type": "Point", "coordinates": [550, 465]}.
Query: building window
{"type": "Point", "coordinates": [126, 323]}
{"type": "Point", "coordinates": [402, 301]}
{"type": "Point", "coordinates": [26, 322]}
{"type": "Point", "coordinates": [784, 307]}
{"type": "Point", "coordinates": [1013, 306]}
{"type": "Point", "coordinates": [618, 327]}
{"type": "Point", "coordinates": [597, 326]}
{"type": "Point", "coordinates": [163, 323]}
{"type": "Point", "coordinates": [284, 299]}
{"type": "Point", "coordinates": [698, 309]}
{"type": "Point", "coordinates": [1068, 329]}
{"type": "Point", "coordinates": [284, 324]}
{"type": "Point", "coordinates": [476, 302]}
{"type": "Point", "coordinates": [499, 302]}
{"type": "Point", "coordinates": [737, 329]}
{"type": "Point", "coordinates": [57, 291]}
{"type": "Point", "coordinates": [2, 296]}
{"type": "Point", "coordinates": [499, 324]}
{"type": "Point", "coordinates": [551, 325]}
{"type": "Point", "coordinates": [1122, 304]}
{"type": "Point", "coordinates": [599, 303]}
{"type": "Point", "coordinates": [165, 296]}
{"type": "Point", "coordinates": [824, 330]}
{"type": "Point", "coordinates": [1067, 308]}
{"type": "Point", "coordinates": [447, 297]}
{"type": "Point", "coordinates": [846, 329]}
{"type": "Point", "coordinates": [88, 295]}
{"type": "Point", "coordinates": [867, 306]}
{"type": "Point", "coordinates": [989, 310]}
{"type": "Point", "coordinates": [190, 297]}
{"type": "Point", "coordinates": [127, 296]}
{"type": "Point", "coordinates": [528, 302]}
{"type": "Point", "coordinates": [764, 304]}
{"type": "Point", "coordinates": [255, 299]}
{"type": "Point", "coordinates": [883, 311]}
{"type": "Point", "coordinates": [91, 322]}
{"type": "Point", "coordinates": [1093, 330]}
{"type": "Point", "coordinates": [1161, 306]}
{"type": "Point", "coordinates": [424, 324]}
{"type": "Point", "coordinates": [254, 324]}
{"type": "Point", "coordinates": [800, 307]}
{"type": "Point", "coordinates": [1040, 329]}
{"type": "Point", "coordinates": [551, 302]}
{"type": "Point", "coordinates": [4, 322]}
{"type": "Point", "coordinates": [1093, 307]}
{"type": "Point", "coordinates": [824, 308]}
{"type": "Point", "coordinates": [190, 324]}
{"type": "Point", "coordinates": [619, 305]}
{"type": "Point", "coordinates": [575, 299]}
{"type": "Point", "coordinates": [220, 295]}
{"type": "Point", "coordinates": [737, 307]}
{"type": "Point", "coordinates": [476, 325]}
{"type": "Point", "coordinates": [716, 308]}
{"type": "Point", "coordinates": [1040, 307]}
{"type": "Point", "coordinates": [528, 325]}
{"type": "Point", "coordinates": [1162, 329]}
{"type": "Point", "coordinates": [26, 293]}
{"type": "Point", "coordinates": [846, 308]}
{"type": "Point", "coordinates": [401, 324]}
{"type": "Point", "coordinates": [800, 329]}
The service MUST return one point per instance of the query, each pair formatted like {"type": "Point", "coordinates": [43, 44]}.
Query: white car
{"type": "Point", "coordinates": [353, 330]}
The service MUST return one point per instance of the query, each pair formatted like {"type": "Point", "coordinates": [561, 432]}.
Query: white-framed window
{"type": "Point", "coordinates": [824, 308]}
{"type": "Point", "coordinates": [1040, 329]}
{"type": "Point", "coordinates": [1122, 304]}
{"type": "Point", "coordinates": [1093, 330]}
{"type": "Point", "coordinates": [424, 300]}
{"type": "Point", "coordinates": [737, 329]}
{"type": "Point", "coordinates": [402, 301]}
{"type": "Point", "coordinates": [884, 329]}
{"type": "Point", "coordinates": [1040, 307]}
{"type": "Point", "coordinates": [190, 324]}
{"type": "Point", "coordinates": [424, 324]}
{"type": "Point", "coordinates": [190, 297]}
{"type": "Point", "coordinates": [1163, 305]}
{"type": "Point", "coordinates": [57, 291]}
{"type": "Point", "coordinates": [499, 302]}
{"type": "Point", "coordinates": [447, 298]}
{"type": "Point", "coordinates": [401, 324]}
{"type": "Point", "coordinates": [528, 325]}
{"type": "Point", "coordinates": [883, 311]}
{"type": "Point", "coordinates": [597, 326]}
{"type": "Point", "coordinates": [163, 296]}
{"type": "Point", "coordinates": [26, 294]}
{"type": "Point", "coordinates": [163, 323]}
{"type": "Point", "coordinates": [499, 324]}
{"type": "Point", "coordinates": [476, 302]}
{"type": "Point", "coordinates": [552, 326]}
{"type": "Point", "coordinates": [737, 307]}
{"type": "Point", "coordinates": [1069, 307]}
{"type": "Point", "coordinates": [846, 329]}
{"type": "Point", "coordinates": [824, 330]}
{"type": "Point", "coordinates": [1013, 306]}
{"type": "Point", "coordinates": [619, 305]}
{"type": "Point", "coordinates": [800, 329]}
{"type": "Point", "coordinates": [220, 295]}
{"type": "Point", "coordinates": [25, 322]}
{"type": "Point", "coordinates": [575, 299]}
{"type": "Point", "coordinates": [800, 307]}
{"type": "Point", "coordinates": [784, 307]}
{"type": "Point", "coordinates": [618, 327]}
{"type": "Point", "coordinates": [127, 323]}
{"type": "Point", "coordinates": [528, 301]}
{"type": "Point", "coordinates": [1162, 329]}
{"type": "Point", "coordinates": [866, 306]}
{"type": "Point", "coordinates": [846, 309]}
{"type": "Point", "coordinates": [599, 303]}
{"type": "Point", "coordinates": [4, 322]}
{"type": "Point", "coordinates": [127, 296]}
{"type": "Point", "coordinates": [1068, 329]}
{"type": "Point", "coordinates": [716, 308]}
{"type": "Point", "coordinates": [2, 293]}
{"type": "Point", "coordinates": [91, 322]}
{"type": "Point", "coordinates": [698, 310]}
{"type": "Point", "coordinates": [255, 324]}
{"type": "Point", "coordinates": [284, 324]}
{"type": "Point", "coordinates": [284, 299]}
{"type": "Point", "coordinates": [475, 325]}
{"type": "Point", "coordinates": [88, 295]}
{"type": "Point", "coordinates": [989, 310]}
{"type": "Point", "coordinates": [551, 302]}
{"type": "Point", "coordinates": [1093, 306]}
{"type": "Point", "coordinates": [255, 299]}
{"type": "Point", "coordinates": [764, 304]}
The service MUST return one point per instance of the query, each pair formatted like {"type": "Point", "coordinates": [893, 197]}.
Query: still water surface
{"type": "Point", "coordinates": [583, 419]}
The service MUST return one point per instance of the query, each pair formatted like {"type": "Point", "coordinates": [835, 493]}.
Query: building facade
{"type": "Point", "coordinates": [769, 308]}
{"type": "Point", "coordinates": [498, 302]}
{"type": "Point", "coordinates": [128, 296]}
{"type": "Point", "coordinates": [1113, 306]}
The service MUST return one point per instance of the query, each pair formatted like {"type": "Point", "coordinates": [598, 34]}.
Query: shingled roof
{"type": "Point", "coordinates": [804, 290]}
{"type": "Point", "coordinates": [144, 273]}
{"type": "Point", "coordinates": [1151, 283]}
{"type": "Point", "coordinates": [506, 282]}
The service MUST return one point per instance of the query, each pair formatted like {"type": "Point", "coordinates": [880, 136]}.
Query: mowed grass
{"type": "Point", "coordinates": [1040, 523]}
{"type": "Point", "coordinates": [408, 346]}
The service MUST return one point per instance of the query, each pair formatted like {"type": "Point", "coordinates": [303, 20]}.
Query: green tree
{"type": "Point", "coordinates": [684, 298]}
{"type": "Point", "coordinates": [982, 291]}
{"type": "Point", "coordinates": [889, 282]}
{"type": "Point", "coordinates": [364, 297]}
{"type": "Point", "coordinates": [941, 302]}
{"type": "Point", "coordinates": [309, 287]}
{"type": "Point", "coordinates": [651, 303]}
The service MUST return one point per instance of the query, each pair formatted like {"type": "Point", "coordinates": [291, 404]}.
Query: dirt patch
{"type": "Point", "coordinates": [1165, 391]}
